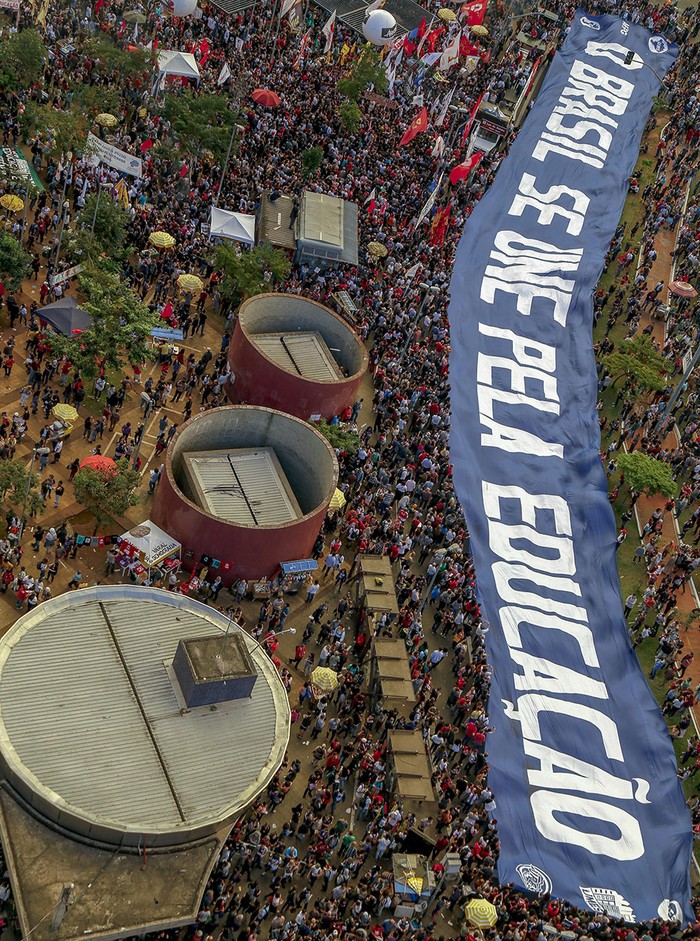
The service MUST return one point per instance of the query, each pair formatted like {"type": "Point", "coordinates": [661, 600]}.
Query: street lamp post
{"type": "Point", "coordinates": [42, 452]}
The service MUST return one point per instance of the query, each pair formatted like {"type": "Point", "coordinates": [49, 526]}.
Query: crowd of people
{"type": "Point", "coordinates": [298, 864]}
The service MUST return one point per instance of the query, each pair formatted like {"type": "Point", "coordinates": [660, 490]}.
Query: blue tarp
{"type": "Point", "coordinates": [588, 803]}
{"type": "Point", "coordinates": [159, 333]}
{"type": "Point", "coordinates": [302, 565]}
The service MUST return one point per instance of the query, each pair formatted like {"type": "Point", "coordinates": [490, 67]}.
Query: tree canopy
{"type": "Point", "coordinates": [109, 57]}
{"type": "Point", "coordinates": [247, 273]}
{"type": "Point", "coordinates": [121, 325]}
{"type": "Point", "coordinates": [106, 492]}
{"type": "Point", "coordinates": [644, 474]}
{"type": "Point", "coordinates": [637, 359]}
{"type": "Point", "coordinates": [201, 121]}
{"type": "Point", "coordinates": [22, 59]}
{"type": "Point", "coordinates": [109, 236]}
{"type": "Point", "coordinates": [340, 438]}
{"type": "Point", "coordinates": [367, 70]}
{"type": "Point", "coordinates": [14, 261]}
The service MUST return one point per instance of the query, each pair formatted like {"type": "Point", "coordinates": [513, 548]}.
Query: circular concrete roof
{"type": "Point", "coordinates": [94, 733]}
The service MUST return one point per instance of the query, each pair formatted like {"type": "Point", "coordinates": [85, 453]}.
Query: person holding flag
{"type": "Point", "coordinates": [328, 31]}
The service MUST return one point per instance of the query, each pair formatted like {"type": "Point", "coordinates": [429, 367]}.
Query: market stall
{"type": "Point", "coordinates": [148, 554]}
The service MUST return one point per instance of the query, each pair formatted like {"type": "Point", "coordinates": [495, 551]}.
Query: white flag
{"type": "Point", "coordinates": [430, 58]}
{"type": "Point", "coordinates": [429, 202]}
{"type": "Point", "coordinates": [136, 31]}
{"type": "Point", "coordinates": [439, 148]}
{"type": "Point", "coordinates": [445, 106]}
{"type": "Point", "coordinates": [328, 31]}
{"type": "Point", "coordinates": [413, 271]}
{"type": "Point", "coordinates": [239, 44]}
{"type": "Point", "coordinates": [224, 74]}
{"type": "Point", "coordinates": [375, 5]}
{"type": "Point", "coordinates": [450, 55]}
{"type": "Point", "coordinates": [286, 7]}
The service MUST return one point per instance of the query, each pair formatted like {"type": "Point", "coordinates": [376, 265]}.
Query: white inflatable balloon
{"type": "Point", "coordinates": [379, 27]}
{"type": "Point", "coordinates": [181, 7]}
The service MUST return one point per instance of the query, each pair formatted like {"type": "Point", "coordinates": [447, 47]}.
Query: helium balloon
{"type": "Point", "coordinates": [379, 27]}
{"type": "Point", "coordinates": [180, 7]}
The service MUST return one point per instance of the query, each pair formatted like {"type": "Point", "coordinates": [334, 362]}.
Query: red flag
{"type": "Point", "coordinates": [475, 12]}
{"type": "Point", "coordinates": [204, 57]}
{"type": "Point", "coordinates": [439, 225]}
{"type": "Point", "coordinates": [204, 46]}
{"type": "Point", "coordinates": [147, 144]}
{"type": "Point", "coordinates": [422, 28]}
{"type": "Point", "coordinates": [183, 171]}
{"type": "Point", "coordinates": [167, 312]}
{"type": "Point", "coordinates": [433, 37]}
{"type": "Point", "coordinates": [467, 49]}
{"type": "Point", "coordinates": [417, 125]}
{"type": "Point", "coordinates": [98, 6]}
{"type": "Point", "coordinates": [465, 168]}
{"type": "Point", "coordinates": [470, 120]}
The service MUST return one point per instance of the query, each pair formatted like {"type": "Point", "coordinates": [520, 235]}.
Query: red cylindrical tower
{"type": "Point", "coordinates": [294, 354]}
{"type": "Point", "coordinates": [246, 486]}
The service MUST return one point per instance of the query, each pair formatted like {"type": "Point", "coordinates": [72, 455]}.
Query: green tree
{"type": "Point", "coordinates": [109, 58]}
{"type": "Point", "coordinates": [121, 325]}
{"type": "Point", "coordinates": [645, 474]}
{"type": "Point", "coordinates": [14, 261]}
{"type": "Point", "coordinates": [200, 121]}
{"type": "Point", "coordinates": [66, 131]}
{"type": "Point", "coordinates": [340, 438]}
{"type": "Point", "coordinates": [107, 492]}
{"type": "Point", "coordinates": [247, 273]}
{"type": "Point", "coordinates": [350, 116]}
{"type": "Point", "coordinates": [367, 70]}
{"type": "Point", "coordinates": [109, 236]}
{"type": "Point", "coordinates": [311, 161]}
{"type": "Point", "coordinates": [14, 477]}
{"type": "Point", "coordinates": [96, 99]}
{"type": "Point", "coordinates": [22, 59]}
{"type": "Point", "coordinates": [638, 360]}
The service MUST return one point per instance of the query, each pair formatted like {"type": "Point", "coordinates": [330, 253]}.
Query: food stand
{"type": "Point", "coordinates": [147, 551]}
{"type": "Point", "coordinates": [294, 574]}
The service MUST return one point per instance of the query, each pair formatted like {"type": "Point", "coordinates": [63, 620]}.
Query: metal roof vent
{"type": "Point", "coordinates": [213, 670]}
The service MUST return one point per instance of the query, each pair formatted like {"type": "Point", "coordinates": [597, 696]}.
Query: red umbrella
{"type": "Point", "coordinates": [98, 462]}
{"type": "Point", "coordinates": [264, 96]}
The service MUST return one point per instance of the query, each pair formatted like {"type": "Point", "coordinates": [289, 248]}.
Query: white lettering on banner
{"type": "Point", "coordinates": [529, 272]}
{"type": "Point", "coordinates": [523, 368]}
{"type": "Point", "coordinates": [543, 524]}
{"type": "Point", "coordinates": [546, 204]}
{"type": "Point", "coordinates": [601, 93]}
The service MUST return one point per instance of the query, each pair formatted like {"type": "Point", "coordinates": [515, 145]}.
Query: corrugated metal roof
{"type": "Point", "coordinates": [322, 219]}
{"type": "Point", "coordinates": [304, 353]}
{"type": "Point", "coordinates": [246, 486]}
{"type": "Point", "coordinates": [89, 719]}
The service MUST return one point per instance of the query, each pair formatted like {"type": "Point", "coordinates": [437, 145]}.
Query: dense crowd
{"type": "Point", "coordinates": [297, 865]}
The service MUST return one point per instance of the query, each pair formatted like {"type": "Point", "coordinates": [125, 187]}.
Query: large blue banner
{"type": "Point", "coordinates": [588, 803]}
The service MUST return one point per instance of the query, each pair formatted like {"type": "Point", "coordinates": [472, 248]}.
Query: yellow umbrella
{"type": "Point", "coordinates": [106, 120]}
{"type": "Point", "coordinates": [480, 913]}
{"type": "Point", "coordinates": [447, 16]}
{"type": "Point", "coordinates": [479, 30]}
{"type": "Point", "coordinates": [415, 883]}
{"type": "Point", "coordinates": [338, 500]}
{"type": "Point", "coordinates": [11, 202]}
{"type": "Point", "coordinates": [161, 239]}
{"type": "Point", "coordinates": [377, 250]}
{"type": "Point", "coordinates": [190, 282]}
{"type": "Point", "coordinates": [324, 679]}
{"type": "Point", "coordinates": [65, 412]}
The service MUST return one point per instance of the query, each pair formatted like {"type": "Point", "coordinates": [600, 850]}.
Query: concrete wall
{"type": "Point", "coordinates": [255, 551]}
{"type": "Point", "coordinates": [260, 381]}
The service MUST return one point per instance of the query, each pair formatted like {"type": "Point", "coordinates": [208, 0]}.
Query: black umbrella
{"type": "Point", "coordinates": [65, 316]}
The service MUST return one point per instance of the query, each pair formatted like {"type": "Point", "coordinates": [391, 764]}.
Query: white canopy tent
{"type": "Point", "coordinates": [236, 226]}
{"type": "Point", "coordinates": [152, 542]}
{"type": "Point", "coordinates": [172, 62]}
